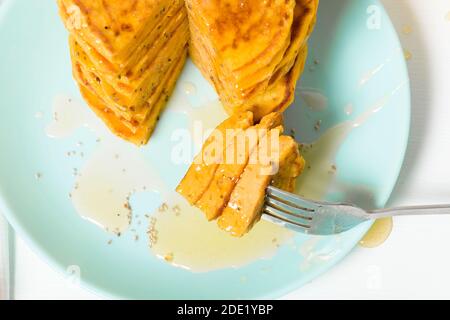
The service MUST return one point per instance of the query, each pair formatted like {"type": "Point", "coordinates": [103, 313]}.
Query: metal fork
{"type": "Point", "coordinates": [325, 218]}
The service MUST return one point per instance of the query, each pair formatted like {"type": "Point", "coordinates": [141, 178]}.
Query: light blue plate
{"type": "Point", "coordinates": [352, 38]}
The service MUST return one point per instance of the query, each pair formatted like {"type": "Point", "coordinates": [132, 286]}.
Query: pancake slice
{"type": "Point", "coordinates": [200, 174]}
{"type": "Point", "coordinates": [228, 173]}
{"type": "Point", "coordinates": [228, 178]}
{"type": "Point", "coordinates": [126, 57]}
{"type": "Point", "coordinates": [128, 98]}
{"type": "Point", "coordinates": [246, 201]}
{"type": "Point", "coordinates": [147, 51]}
{"type": "Point", "coordinates": [135, 132]}
{"type": "Point", "coordinates": [114, 27]}
{"type": "Point", "coordinates": [252, 51]}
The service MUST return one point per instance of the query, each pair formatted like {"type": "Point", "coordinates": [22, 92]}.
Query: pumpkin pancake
{"type": "Point", "coordinates": [228, 173]}
{"type": "Point", "coordinates": [244, 208]}
{"type": "Point", "coordinates": [126, 57]}
{"type": "Point", "coordinates": [252, 51]}
{"type": "Point", "coordinates": [114, 27]}
{"type": "Point", "coordinates": [133, 131]}
{"type": "Point", "coordinates": [201, 172]}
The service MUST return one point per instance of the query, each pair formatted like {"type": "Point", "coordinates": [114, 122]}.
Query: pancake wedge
{"type": "Point", "coordinates": [115, 28]}
{"type": "Point", "coordinates": [126, 57]}
{"type": "Point", "coordinates": [228, 178]}
{"type": "Point", "coordinates": [252, 51]}
{"type": "Point", "coordinates": [135, 132]}
{"type": "Point", "coordinates": [201, 173]}
{"type": "Point", "coordinates": [238, 154]}
{"type": "Point", "coordinates": [244, 208]}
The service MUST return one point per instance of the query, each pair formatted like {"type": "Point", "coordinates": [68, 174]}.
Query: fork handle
{"type": "Point", "coordinates": [410, 211]}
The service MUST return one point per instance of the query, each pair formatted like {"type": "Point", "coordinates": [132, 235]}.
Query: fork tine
{"type": "Point", "coordinates": [291, 199]}
{"type": "Point", "coordinates": [286, 217]}
{"type": "Point", "coordinates": [294, 211]}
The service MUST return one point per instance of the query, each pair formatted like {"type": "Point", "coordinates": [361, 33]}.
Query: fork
{"type": "Point", "coordinates": [326, 218]}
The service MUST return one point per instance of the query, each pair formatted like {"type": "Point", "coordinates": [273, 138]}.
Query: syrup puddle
{"type": "Point", "coordinates": [189, 88]}
{"type": "Point", "coordinates": [313, 99]}
{"type": "Point", "coordinates": [179, 233]}
{"type": "Point", "coordinates": [112, 174]}
{"type": "Point", "coordinates": [116, 170]}
{"type": "Point", "coordinates": [320, 156]}
{"type": "Point", "coordinates": [378, 234]}
{"type": "Point", "coordinates": [186, 239]}
{"type": "Point", "coordinates": [208, 115]}
{"type": "Point", "coordinates": [107, 181]}
{"type": "Point", "coordinates": [68, 116]}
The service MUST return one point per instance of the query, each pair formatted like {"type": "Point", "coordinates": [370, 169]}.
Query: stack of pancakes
{"type": "Point", "coordinates": [252, 51]}
{"type": "Point", "coordinates": [127, 56]}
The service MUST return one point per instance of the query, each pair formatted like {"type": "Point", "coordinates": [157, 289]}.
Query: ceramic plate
{"type": "Point", "coordinates": [353, 98]}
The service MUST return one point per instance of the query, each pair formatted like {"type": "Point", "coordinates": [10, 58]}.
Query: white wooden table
{"type": "Point", "coordinates": [415, 261]}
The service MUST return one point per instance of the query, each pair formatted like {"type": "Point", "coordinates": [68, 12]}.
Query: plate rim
{"type": "Point", "coordinates": [274, 294]}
